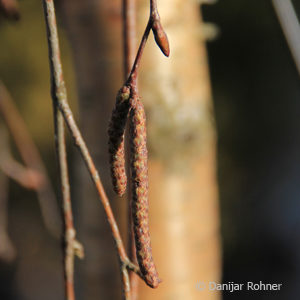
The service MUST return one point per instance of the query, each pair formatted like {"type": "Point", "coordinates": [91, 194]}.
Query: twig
{"type": "Point", "coordinates": [290, 27]}
{"type": "Point", "coordinates": [134, 70]}
{"type": "Point", "coordinates": [129, 44]}
{"type": "Point", "coordinates": [60, 100]}
{"type": "Point", "coordinates": [27, 178]}
{"type": "Point", "coordinates": [32, 159]}
{"type": "Point", "coordinates": [70, 243]}
{"type": "Point", "coordinates": [7, 250]}
{"type": "Point", "coordinates": [129, 34]}
{"type": "Point", "coordinates": [161, 39]}
{"type": "Point", "coordinates": [58, 92]}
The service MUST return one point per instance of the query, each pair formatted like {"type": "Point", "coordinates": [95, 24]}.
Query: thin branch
{"type": "Point", "coordinates": [129, 44]}
{"type": "Point", "coordinates": [32, 159]}
{"type": "Point", "coordinates": [59, 92]}
{"type": "Point", "coordinates": [59, 97]}
{"type": "Point", "coordinates": [290, 27]}
{"type": "Point", "coordinates": [129, 34]}
{"type": "Point", "coordinates": [70, 242]}
{"type": "Point", "coordinates": [80, 144]}
{"type": "Point", "coordinates": [161, 40]}
{"type": "Point", "coordinates": [134, 70]}
{"type": "Point", "coordinates": [7, 250]}
{"type": "Point", "coordinates": [27, 178]}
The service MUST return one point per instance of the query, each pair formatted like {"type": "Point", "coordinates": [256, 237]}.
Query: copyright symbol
{"type": "Point", "coordinates": [200, 286]}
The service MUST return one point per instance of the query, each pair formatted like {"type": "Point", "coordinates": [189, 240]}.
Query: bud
{"type": "Point", "coordinates": [161, 38]}
{"type": "Point", "coordinates": [116, 131]}
{"type": "Point", "coordinates": [140, 205]}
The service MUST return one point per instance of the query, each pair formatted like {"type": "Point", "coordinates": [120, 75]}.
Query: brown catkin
{"type": "Point", "coordinates": [139, 176]}
{"type": "Point", "coordinates": [116, 131]}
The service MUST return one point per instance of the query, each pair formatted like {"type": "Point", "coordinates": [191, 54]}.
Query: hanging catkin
{"type": "Point", "coordinates": [139, 176]}
{"type": "Point", "coordinates": [116, 131]}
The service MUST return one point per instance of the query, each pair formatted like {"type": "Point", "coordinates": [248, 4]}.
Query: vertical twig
{"type": "Point", "coordinates": [129, 45]}
{"type": "Point", "coordinates": [32, 159]}
{"type": "Point", "coordinates": [58, 91]}
{"type": "Point", "coordinates": [7, 250]}
{"type": "Point", "coordinates": [129, 34]}
{"type": "Point", "coordinates": [71, 246]}
{"type": "Point", "coordinates": [161, 40]}
{"type": "Point", "coordinates": [60, 101]}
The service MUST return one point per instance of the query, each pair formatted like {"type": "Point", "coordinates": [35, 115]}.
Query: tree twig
{"type": "Point", "coordinates": [70, 243]}
{"type": "Point", "coordinates": [161, 39]}
{"type": "Point", "coordinates": [58, 92]}
{"type": "Point", "coordinates": [129, 34]}
{"type": "Point", "coordinates": [7, 250]}
{"type": "Point", "coordinates": [27, 178]}
{"type": "Point", "coordinates": [59, 97]}
{"type": "Point", "coordinates": [129, 44]}
{"type": "Point", "coordinates": [32, 159]}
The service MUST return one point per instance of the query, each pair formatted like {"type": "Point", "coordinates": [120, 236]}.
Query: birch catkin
{"type": "Point", "coordinates": [116, 131]}
{"type": "Point", "coordinates": [139, 176]}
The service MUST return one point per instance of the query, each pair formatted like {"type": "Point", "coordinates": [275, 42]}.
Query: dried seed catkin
{"type": "Point", "coordinates": [116, 131]}
{"type": "Point", "coordinates": [139, 177]}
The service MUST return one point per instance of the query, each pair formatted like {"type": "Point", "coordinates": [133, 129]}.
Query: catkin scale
{"type": "Point", "coordinates": [139, 177]}
{"type": "Point", "coordinates": [116, 131]}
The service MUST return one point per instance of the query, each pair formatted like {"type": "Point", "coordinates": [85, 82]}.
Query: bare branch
{"type": "Point", "coordinates": [60, 101]}
{"type": "Point", "coordinates": [129, 45]}
{"type": "Point", "coordinates": [7, 250]}
{"type": "Point", "coordinates": [59, 92]}
{"type": "Point", "coordinates": [129, 34]}
{"type": "Point", "coordinates": [161, 40]}
{"type": "Point", "coordinates": [70, 243]}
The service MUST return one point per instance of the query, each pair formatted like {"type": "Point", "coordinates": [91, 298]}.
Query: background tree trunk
{"type": "Point", "coordinates": [183, 191]}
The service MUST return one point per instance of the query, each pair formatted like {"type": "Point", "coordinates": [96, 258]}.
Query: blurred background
{"type": "Point", "coordinates": [255, 90]}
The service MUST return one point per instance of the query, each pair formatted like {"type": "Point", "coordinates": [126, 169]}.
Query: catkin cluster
{"type": "Point", "coordinates": [129, 105]}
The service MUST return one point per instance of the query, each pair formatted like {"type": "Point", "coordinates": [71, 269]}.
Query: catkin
{"type": "Point", "coordinates": [116, 131]}
{"type": "Point", "coordinates": [139, 176]}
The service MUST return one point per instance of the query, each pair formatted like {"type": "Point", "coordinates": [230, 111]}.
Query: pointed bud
{"type": "Point", "coordinates": [161, 38]}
